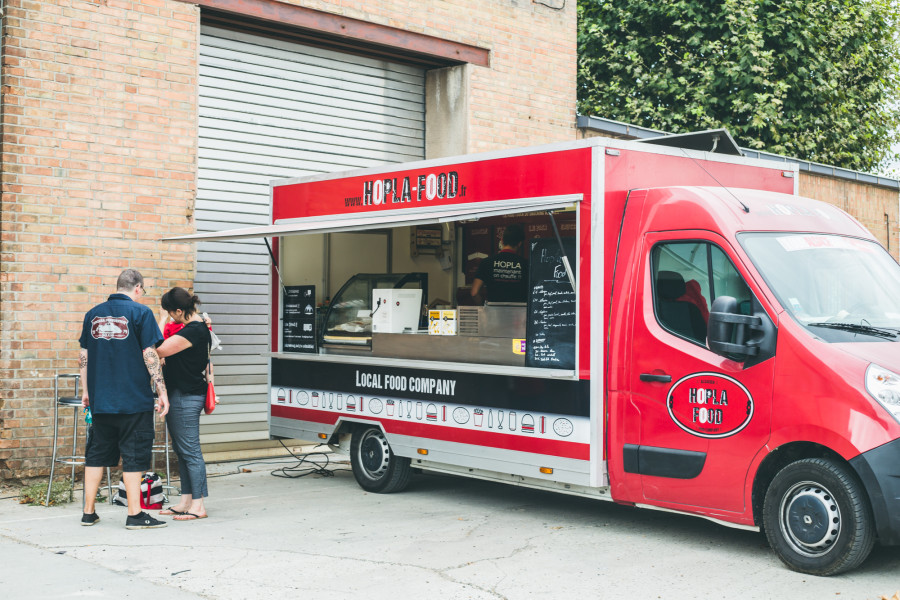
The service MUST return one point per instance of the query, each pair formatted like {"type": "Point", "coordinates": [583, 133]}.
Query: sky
{"type": "Point", "coordinates": [892, 170]}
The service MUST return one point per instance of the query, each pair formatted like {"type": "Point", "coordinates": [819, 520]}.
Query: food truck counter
{"type": "Point", "coordinates": [453, 348]}
{"type": "Point", "coordinates": [491, 335]}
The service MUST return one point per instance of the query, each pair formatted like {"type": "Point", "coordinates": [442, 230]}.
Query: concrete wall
{"type": "Point", "coordinates": [447, 111]}
{"type": "Point", "coordinates": [99, 157]}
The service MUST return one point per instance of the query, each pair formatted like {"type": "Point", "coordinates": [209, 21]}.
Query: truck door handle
{"type": "Point", "coordinates": [655, 377]}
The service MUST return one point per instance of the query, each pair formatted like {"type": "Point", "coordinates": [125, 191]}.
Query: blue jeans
{"type": "Point", "coordinates": [183, 422]}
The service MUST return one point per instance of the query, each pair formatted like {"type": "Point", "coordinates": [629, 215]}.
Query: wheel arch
{"type": "Point", "coordinates": [780, 458]}
{"type": "Point", "coordinates": [346, 427]}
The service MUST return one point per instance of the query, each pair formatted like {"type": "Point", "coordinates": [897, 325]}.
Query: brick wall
{"type": "Point", "coordinates": [877, 208]}
{"type": "Point", "coordinates": [99, 157]}
{"type": "Point", "coordinates": [99, 161]}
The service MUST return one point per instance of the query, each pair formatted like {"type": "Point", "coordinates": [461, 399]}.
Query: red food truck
{"type": "Point", "coordinates": [695, 337]}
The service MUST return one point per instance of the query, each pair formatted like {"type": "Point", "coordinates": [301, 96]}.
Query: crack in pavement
{"type": "Point", "coordinates": [223, 571]}
{"type": "Point", "coordinates": [528, 544]}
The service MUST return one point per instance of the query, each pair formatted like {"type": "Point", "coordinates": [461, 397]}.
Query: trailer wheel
{"type": "Point", "coordinates": [817, 518]}
{"type": "Point", "coordinates": [375, 466]}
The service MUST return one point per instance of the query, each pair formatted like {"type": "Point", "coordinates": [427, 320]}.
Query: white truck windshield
{"type": "Point", "coordinates": [843, 289]}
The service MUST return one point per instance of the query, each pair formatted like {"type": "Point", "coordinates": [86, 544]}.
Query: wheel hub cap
{"type": "Point", "coordinates": [811, 518]}
{"type": "Point", "coordinates": [374, 455]}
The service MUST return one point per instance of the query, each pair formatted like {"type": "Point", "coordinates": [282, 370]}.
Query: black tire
{"type": "Point", "coordinates": [375, 466]}
{"type": "Point", "coordinates": [817, 517]}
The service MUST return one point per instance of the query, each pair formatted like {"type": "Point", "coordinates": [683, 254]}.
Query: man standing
{"type": "Point", "coordinates": [118, 361]}
{"type": "Point", "coordinates": [505, 274]}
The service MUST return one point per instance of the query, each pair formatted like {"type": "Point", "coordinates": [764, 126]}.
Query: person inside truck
{"type": "Point", "coordinates": [694, 295]}
{"type": "Point", "coordinates": [679, 316]}
{"type": "Point", "coordinates": [503, 277]}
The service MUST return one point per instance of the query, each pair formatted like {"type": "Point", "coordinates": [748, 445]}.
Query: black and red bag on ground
{"type": "Point", "coordinates": [152, 495]}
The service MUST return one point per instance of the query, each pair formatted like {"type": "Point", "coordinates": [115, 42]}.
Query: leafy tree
{"type": "Point", "coordinates": [815, 79]}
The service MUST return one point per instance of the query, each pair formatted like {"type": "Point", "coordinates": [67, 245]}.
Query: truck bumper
{"type": "Point", "coordinates": [879, 470]}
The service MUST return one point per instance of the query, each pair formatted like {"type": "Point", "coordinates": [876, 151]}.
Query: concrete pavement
{"type": "Point", "coordinates": [443, 538]}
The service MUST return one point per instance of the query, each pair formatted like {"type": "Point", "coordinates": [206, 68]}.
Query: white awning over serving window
{"type": "Point", "coordinates": [394, 218]}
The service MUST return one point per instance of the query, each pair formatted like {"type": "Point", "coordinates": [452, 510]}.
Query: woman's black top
{"type": "Point", "coordinates": [186, 370]}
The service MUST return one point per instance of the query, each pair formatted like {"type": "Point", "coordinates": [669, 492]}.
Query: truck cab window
{"type": "Point", "coordinates": [728, 282]}
{"type": "Point", "coordinates": [687, 277]}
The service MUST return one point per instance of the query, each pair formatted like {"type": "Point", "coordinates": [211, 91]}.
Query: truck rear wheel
{"type": "Point", "coordinates": [374, 464]}
{"type": "Point", "coordinates": [817, 518]}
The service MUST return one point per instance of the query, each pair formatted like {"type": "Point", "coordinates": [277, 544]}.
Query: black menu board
{"type": "Point", "coordinates": [299, 319]}
{"type": "Point", "coordinates": [550, 325]}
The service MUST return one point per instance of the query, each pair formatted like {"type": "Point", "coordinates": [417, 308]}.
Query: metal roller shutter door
{"type": "Point", "coordinates": [269, 109]}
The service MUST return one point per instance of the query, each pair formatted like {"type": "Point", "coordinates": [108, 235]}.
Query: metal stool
{"type": "Point", "coordinates": [73, 459]}
{"type": "Point", "coordinates": [162, 448]}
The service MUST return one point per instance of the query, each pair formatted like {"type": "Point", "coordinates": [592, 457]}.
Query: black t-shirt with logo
{"type": "Point", "coordinates": [186, 370]}
{"type": "Point", "coordinates": [506, 277]}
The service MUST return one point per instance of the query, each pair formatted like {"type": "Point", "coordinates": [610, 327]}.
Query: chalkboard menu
{"type": "Point", "coordinates": [299, 318]}
{"type": "Point", "coordinates": [550, 325]}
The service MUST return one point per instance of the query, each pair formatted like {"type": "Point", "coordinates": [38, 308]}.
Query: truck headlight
{"type": "Point", "coordinates": [884, 386]}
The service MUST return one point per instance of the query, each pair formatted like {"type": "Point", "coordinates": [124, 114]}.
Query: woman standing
{"type": "Point", "coordinates": [187, 354]}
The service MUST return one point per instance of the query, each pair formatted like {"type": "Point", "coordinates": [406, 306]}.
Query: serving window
{"type": "Point", "coordinates": [405, 292]}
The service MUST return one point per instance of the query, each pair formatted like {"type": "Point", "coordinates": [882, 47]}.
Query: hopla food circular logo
{"type": "Point", "coordinates": [710, 405]}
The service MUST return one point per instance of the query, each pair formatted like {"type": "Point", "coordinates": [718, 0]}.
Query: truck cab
{"type": "Point", "coordinates": [757, 375]}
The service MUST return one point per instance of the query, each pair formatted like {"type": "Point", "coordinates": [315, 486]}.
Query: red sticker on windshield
{"type": "Point", "coordinates": [710, 405]}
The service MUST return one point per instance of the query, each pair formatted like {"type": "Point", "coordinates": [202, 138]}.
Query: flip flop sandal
{"type": "Point", "coordinates": [189, 517]}
{"type": "Point", "coordinates": [171, 511]}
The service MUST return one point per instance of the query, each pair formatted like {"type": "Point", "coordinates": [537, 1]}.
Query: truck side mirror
{"type": "Point", "coordinates": [742, 338]}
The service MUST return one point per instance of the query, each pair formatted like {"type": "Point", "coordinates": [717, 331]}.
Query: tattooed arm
{"type": "Point", "coordinates": [151, 359]}
{"type": "Point", "coordinates": [82, 368]}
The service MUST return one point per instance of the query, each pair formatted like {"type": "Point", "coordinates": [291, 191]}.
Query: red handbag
{"type": "Point", "coordinates": [210, 404]}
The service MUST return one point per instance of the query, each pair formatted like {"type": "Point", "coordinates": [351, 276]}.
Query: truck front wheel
{"type": "Point", "coordinates": [817, 518]}
{"type": "Point", "coordinates": [374, 464]}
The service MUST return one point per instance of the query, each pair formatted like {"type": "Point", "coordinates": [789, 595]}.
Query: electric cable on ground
{"type": "Point", "coordinates": [298, 470]}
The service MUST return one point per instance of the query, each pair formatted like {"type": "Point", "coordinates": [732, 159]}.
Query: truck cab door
{"type": "Point", "coordinates": [703, 417]}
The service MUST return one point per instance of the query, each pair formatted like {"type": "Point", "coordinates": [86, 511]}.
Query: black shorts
{"type": "Point", "coordinates": [127, 436]}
